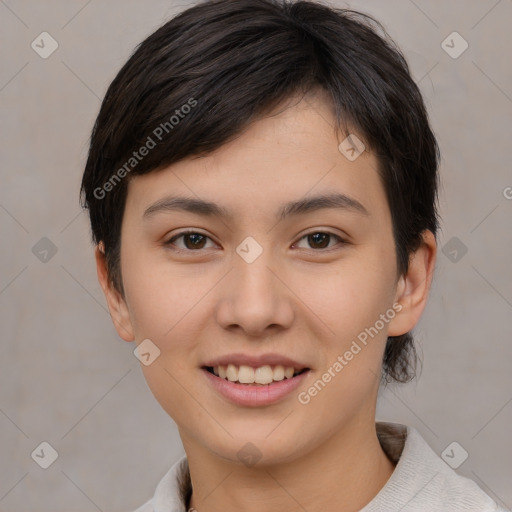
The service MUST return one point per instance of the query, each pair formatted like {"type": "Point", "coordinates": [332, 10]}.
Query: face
{"type": "Point", "coordinates": [265, 271]}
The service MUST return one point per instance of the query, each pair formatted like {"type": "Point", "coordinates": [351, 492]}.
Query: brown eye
{"type": "Point", "coordinates": [191, 241]}
{"type": "Point", "coordinates": [321, 240]}
{"type": "Point", "coordinates": [194, 241]}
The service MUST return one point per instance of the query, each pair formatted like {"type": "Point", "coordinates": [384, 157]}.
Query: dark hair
{"type": "Point", "coordinates": [205, 75]}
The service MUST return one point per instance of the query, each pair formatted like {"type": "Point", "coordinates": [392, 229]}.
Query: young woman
{"type": "Point", "coordinates": [261, 185]}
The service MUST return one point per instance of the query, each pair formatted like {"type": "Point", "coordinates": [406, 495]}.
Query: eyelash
{"type": "Point", "coordinates": [170, 242]}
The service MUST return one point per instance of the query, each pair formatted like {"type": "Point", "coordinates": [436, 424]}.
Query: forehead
{"type": "Point", "coordinates": [289, 154]}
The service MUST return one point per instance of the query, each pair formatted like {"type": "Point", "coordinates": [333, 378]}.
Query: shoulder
{"type": "Point", "coordinates": [147, 507]}
{"type": "Point", "coordinates": [168, 494]}
{"type": "Point", "coordinates": [422, 480]}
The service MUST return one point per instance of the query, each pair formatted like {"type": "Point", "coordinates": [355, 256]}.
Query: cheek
{"type": "Point", "coordinates": [350, 297]}
{"type": "Point", "coordinates": [159, 295]}
{"type": "Point", "coordinates": [164, 307]}
{"type": "Point", "coordinates": [350, 302]}
{"type": "Point", "coordinates": [171, 317]}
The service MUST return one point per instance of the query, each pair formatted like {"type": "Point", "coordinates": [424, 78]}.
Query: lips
{"type": "Point", "coordinates": [255, 380]}
{"type": "Point", "coordinates": [253, 394]}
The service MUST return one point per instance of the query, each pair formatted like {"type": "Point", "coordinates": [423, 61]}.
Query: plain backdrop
{"type": "Point", "coordinates": [68, 380]}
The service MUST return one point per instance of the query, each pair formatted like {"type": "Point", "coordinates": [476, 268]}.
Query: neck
{"type": "Point", "coordinates": [344, 473]}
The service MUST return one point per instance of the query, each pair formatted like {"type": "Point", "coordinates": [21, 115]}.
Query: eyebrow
{"type": "Point", "coordinates": [299, 207]}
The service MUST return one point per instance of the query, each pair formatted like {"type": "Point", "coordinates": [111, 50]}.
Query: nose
{"type": "Point", "coordinates": [254, 298]}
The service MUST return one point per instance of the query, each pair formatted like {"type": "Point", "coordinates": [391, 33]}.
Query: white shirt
{"type": "Point", "coordinates": [420, 482]}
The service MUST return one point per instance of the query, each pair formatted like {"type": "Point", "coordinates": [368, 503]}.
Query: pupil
{"type": "Point", "coordinates": [196, 239]}
{"type": "Point", "coordinates": [319, 238]}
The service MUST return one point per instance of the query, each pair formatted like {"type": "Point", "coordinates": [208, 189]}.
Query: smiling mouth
{"type": "Point", "coordinates": [261, 376]}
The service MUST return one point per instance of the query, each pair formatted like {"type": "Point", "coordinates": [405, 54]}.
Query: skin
{"type": "Point", "coordinates": [303, 298]}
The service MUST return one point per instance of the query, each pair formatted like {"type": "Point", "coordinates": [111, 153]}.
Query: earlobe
{"type": "Point", "coordinates": [413, 288]}
{"type": "Point", "coordinates": [116, 303]}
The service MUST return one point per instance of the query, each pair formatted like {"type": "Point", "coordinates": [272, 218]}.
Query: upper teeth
{"type": "Point", "coordinates": [249, 375]}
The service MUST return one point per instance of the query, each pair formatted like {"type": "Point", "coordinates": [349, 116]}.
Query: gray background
{"type": "Point", "coordinates": [65, 376]}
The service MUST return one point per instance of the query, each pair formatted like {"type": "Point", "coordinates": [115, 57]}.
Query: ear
{"type": "Point", "coordinates": [116, 303]}
{"type": "Point", "coordinates": [413, 288]}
